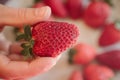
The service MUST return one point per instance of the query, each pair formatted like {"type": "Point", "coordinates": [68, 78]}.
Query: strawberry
{"type": "Point", "coordinates": [76, 75]}
{"type": "Point", "coordinates": [39, 5]}
{"type": "Point", "coordinates": [111, 59]}
{"type": "Point", "coordinates": [82, 54]}
{"type": "Point", "coordinates": [96, 14]}
{"type": "Point", "coordinates": [110, 35]}
{"type": "Point", "coordinates": [57, 7]}
{"type": "Point", "coordinates": [75, 8]}
{"type": "Point", "coordinates": [98, 72]}
{"type": "Point", "coordinates": [50, 38]}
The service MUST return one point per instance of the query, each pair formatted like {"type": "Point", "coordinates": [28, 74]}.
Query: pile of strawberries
{"type": "Point", "coordinates": [85, 56]}
{"type": "Point", "coordinates": [96, 16]}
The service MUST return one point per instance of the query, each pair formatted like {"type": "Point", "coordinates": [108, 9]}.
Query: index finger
{"type": "Point", "coordinates": [23, 16]}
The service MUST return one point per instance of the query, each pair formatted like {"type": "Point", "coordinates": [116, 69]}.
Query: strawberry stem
{"type": "Point", "coordinates": [28, 45]}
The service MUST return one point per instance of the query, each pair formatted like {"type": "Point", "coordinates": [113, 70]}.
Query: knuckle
{"type": "Point", "coordinates": [22, 13]}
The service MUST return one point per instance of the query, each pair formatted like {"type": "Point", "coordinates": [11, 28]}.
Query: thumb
{"type": "Point", "coordinates": [22, 16]}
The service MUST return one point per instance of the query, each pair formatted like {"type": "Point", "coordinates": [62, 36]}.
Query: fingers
{"type": "Point", "coordinates": [23, 69]}
{"type": "Point", "coordinates": [4, 44]}
{"type": "Point", "coordinates": [22, 16]}
{"type": "Point", "coordinates": [15, 48]}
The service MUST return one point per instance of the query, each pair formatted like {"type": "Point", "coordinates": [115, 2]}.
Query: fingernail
{"type": "Point", "coordinates": [43, 12]}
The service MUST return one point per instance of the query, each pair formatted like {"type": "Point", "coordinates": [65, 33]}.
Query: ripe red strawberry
{"type": "Point", "coordinates": [82, 54]}
{"type": "Point", "coordinates": [76, 75]}
{"type": "Point", "coordinates": [96, 14]}
{"type": "Point", "coordinates": [57, 7]}
{"type": "Point", "coordinates": [110, 35]}
{"type": "Point", "coordinates": [111, 59]}
{"type": "Point", "coordinates": [98, 72]}
{"type": "Point", "coordinates": [75, 8]}
{"type": "Point", "coordinates": [48, 38]}
{"type": "Point", "coordinates": [51, 38]}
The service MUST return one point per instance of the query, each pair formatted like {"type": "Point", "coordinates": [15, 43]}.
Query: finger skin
{"type": "Point", "coordinates": [15, 48]}
{"type": "Point", "coordinates": [23, 16]}
{"type": "Point", "coordinates": [4, 44]}
{"type": "Point", "coordinates": [23, 69]}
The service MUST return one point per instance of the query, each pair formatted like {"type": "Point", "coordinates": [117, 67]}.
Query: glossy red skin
{"type": "Point", "coordinates": [75, 8]}
{"type": "Point", "coordinates": [98, 72]}
{"type": "Point", "coordinates": [111, 59]}
{"type": "Point", "coordinates": [110, 35]}
{"type": "Point", "coordinates": [96, 14]}
{"type": "Point", "coordinates": [52, 38]}
{"type": "Point", "coordinates": [84, 54]}
{"type": "Point", "coordinates": [76, 75]}
{"type": "Point", "coordinates": [57, 7]}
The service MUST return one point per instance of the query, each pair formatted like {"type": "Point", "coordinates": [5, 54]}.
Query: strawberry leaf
{"type": "Point", "coordinates": [25, 45]}
{"type": "Point", "coordinates": [28, 34]}
{"type": "Point", "coordinates": [71, 54]}
{"type": "Point", "coordinates": [19, 37]}
{"type": "Point", "coordinates": [36, 1]}
{"type": "Point", "coordinates": [109, 2]}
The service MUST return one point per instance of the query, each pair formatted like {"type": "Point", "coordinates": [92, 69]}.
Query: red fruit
{"type": "Point", "coordinates": [76, 75]}
{"type": "Point", "coordinates": [110, 35]}
{"type": "Point", "coordinates": [75, 8]}
{"type": "Point", "coordinates": [82, 54]}
{"type": "Point", "coordinates": [39, 5]}
{"type": "Point", "coordinates": [98, 72]}
{"type": "Point", "coordinates": [111, 59]}
{"type": "Point", "coordinates": [57, 7]}
{"type": "Point", "coordinates": [51, 38]}
{"type": "Point", "coordinates": [96, 14]}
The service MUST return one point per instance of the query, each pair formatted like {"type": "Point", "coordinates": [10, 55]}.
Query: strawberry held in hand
{"type": "Point", "coordinates": [82, 54]}
{"type": "Point", "coordinates": [110, 35]}
{"type": "Point", "coordinates": [111, 59]}
{"type": "Point", "coordinates": [76, 75]}
{"type": "Point", "coordinates": [50, 38]}
{"type": "Point", "coordinates": [98, 72]}
{"type": "Point", "coordinates": [96, 14]}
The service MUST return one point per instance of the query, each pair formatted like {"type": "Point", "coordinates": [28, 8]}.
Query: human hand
{"type": "Point", "coordinates": [12, 65]}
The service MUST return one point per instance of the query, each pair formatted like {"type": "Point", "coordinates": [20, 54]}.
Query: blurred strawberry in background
{"type": "Point", "coordinates": [110, 35]}
{"type": "Point", "coordinates": [76, 75]}
{"type": "Point", "coordinates": [3, 1]}
{"type": "Point", "coordinates": [111, 59]}
{"type": "Point", "coordinates": [97, 14]}
{"type": "Point", "coordinates": [39, 4]}
{"type": "Point", "coordinates": [98, 72]}
{"type": "Point", "coordinates": [57, 7]}
{"type": "Point", "coordinates": [82, 54]}
{"type": "Point", "coordinates": [75, 8]}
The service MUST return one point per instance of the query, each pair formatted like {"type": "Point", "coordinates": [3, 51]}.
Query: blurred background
{"type": "Point", "coordinates": [98, 21]}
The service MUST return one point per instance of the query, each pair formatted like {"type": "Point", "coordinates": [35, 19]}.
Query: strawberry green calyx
{"type": "Point", "coordinates": [117, 25]}
{"type": "Point", "coordinates": [28, 44]}
{"type": "Point", "coordinates": [71, 54]}
{"type": "Point", "coordinates": [109, 2]}
{"type": "Point", "coordinates": [36, 1]}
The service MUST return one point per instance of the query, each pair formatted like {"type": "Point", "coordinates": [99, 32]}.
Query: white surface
{"type": "Point", "coordinates": [62, 70]}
